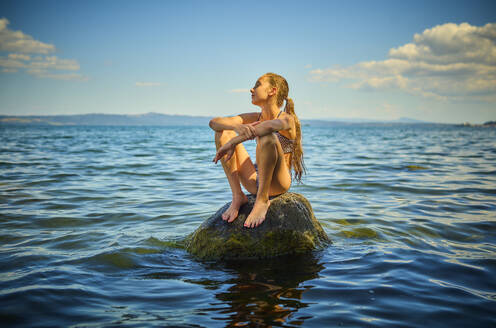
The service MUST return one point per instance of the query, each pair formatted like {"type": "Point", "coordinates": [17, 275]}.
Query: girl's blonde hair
{"type": "Point", "coordinates": [280, 83]}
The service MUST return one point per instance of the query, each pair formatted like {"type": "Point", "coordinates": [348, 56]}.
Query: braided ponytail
{"type": "Point", "coordinates": [296, 162]}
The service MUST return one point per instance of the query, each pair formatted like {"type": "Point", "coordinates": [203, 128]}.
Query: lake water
{"type": "Point", "coordinates": [90, 219]}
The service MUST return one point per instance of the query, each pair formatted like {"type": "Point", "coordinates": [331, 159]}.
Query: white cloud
{"type": "Point", "coordinates": [148, 84]}
{"type": "Point", "coordinates": [9, 63]}
{"type": "Point", "coordinates": [388, 82]}
{"type": "Point", "coordinates": [19, 56]}
{"type": "Point", "coordinates": [20, 45]}
{"type": "Point", "coordinates": [17, 41]}
{"type": "Point", "coordinates": [63, 76]}
{"type": "Point", "coordinates": [52, 62]}
{"type": "Point", "coordinates": [448, 61]}
{"type": "Point", "coordinates": [238, 90]}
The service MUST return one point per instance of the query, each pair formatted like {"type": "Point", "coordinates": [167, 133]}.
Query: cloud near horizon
{"type": "Point", "coordinates": [238, 90]}
{"type": "Point", "coordinates": [447, 62]}
{"type": "Point", "coordinates": [148, 84]}
{"type": "Point", "coordinates": [32, 56]}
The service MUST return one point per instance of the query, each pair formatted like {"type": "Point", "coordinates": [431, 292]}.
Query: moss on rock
{"type": "Point", "coordinates": [289, 228]}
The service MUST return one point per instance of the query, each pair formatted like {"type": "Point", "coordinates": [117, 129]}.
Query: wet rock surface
{"type": "Point", "coordinates": [290, 227]}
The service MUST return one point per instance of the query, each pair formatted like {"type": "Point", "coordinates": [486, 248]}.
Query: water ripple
{"type": "Point", "coordinates": [93, 221]}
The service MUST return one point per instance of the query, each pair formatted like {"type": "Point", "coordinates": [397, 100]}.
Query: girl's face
{"type": "Point", "coordinates": [261, 91]}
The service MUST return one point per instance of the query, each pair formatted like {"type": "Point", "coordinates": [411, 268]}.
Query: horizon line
{"type": "Point", "coordinates": [329, 119]}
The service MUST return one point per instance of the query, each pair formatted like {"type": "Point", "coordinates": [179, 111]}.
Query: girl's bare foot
{"type": "Point", "coordinates": [257, 215]}
{"type": "Point", "coordinates": [232, 212]}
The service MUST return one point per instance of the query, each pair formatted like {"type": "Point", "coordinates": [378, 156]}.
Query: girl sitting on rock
{"type": "Point", "coordinates": [278, 135]}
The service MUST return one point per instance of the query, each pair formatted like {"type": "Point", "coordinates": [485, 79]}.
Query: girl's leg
{"type": "Point", "coordinates": [239, 169]}
{"type": "Point", "coordinates": [274, 177]}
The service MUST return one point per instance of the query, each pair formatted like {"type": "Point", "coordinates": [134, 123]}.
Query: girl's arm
{"type": "Point", "coordinates": [231, 123]}
{"type": "Point", "coordinates": [266, 127]}
{"type": "Point", "coordinates": [260, 129]}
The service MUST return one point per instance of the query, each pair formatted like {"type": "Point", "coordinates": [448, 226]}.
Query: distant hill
{"type": "Point", "coordinates": [162, 119]}
{"type": "Point", "coordinates": [336, 122]}
{"type": "Point", "coordinates": [408, 120]}
{"type": "Point", "coordinates": [106, 119]}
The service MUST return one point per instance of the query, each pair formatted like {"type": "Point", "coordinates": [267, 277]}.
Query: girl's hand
{"type": "Point", "coordinates": [246, 131]}
{"type": "Point", "coordinates": [226, 150]}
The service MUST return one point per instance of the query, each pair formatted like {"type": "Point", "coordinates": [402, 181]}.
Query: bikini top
{"type": "Point", "coordinates": [286, 143]}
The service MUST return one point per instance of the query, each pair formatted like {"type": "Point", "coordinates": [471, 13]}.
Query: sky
{"type": "Point", "coordinates": [428, 60]}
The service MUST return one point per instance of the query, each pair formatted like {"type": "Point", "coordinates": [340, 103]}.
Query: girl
{"type": "Point", "coordinates": [279, 149]}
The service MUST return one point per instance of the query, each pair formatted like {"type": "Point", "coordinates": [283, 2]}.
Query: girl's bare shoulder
{"type": "Point", "coordinates": [288, 118]}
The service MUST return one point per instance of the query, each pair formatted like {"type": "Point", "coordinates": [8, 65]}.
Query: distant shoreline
{"type": "Point", "coordinates": [489, 124]}
{"type": "Point", "coordinates": [158, 119]}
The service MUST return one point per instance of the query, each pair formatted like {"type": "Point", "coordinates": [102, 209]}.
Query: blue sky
{"type": "Point", "coordinates": [428, 60]}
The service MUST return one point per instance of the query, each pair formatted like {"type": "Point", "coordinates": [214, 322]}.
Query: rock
{"type": "Point", "coordinates": [289, 228]}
